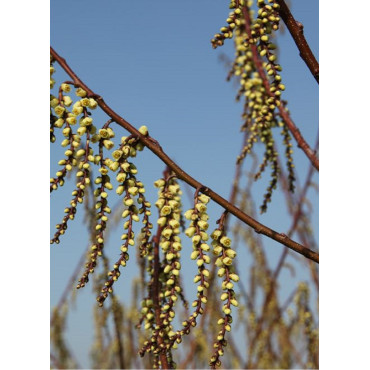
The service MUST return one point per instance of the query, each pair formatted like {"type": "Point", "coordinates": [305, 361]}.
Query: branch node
{"type": "Point", "coordinates": [300, 26]}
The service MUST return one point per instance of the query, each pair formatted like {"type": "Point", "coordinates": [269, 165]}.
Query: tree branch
{"type": "Point", "coordinates": [296, 30]}
{"type": "Point", "coordinates": [153, 145]}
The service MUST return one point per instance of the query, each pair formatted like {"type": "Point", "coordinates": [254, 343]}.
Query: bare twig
{"type": "Point", "coordinates": [296, 30]}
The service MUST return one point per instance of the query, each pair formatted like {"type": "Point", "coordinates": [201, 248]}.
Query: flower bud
{"type": "Point", "coordinates": [162, 221]}
{"type": "Point", "coordinates": [80, 153]}
{"type": "Point", "coordinates": [92, 103]}
{"type": "Point", "coordinates": [234, 277]}
{"type": "Point", "coordinates": [166, 233]}
{"type": "Point", "coordinates": [225, 241]}
{"type": "Point", "coordinates": [67, 100]}
{"type": "Point", "coordinates": [81, 92]}
{"type": "Point", "coordinates": [188, 214]}
{"type": "Point", "coordinates": [159, 183]}
{"type": "Point", "coordinates": [216, 234]}
{"type": "Point", "coordinates": [190, 231]}
{"type": "Point", "coordinates": [230, 253]}
{"type": "Point", "coordinates": [59, 110]}
{"type": "Point", "coordinates": [143, 130]}
{"type": "Point", "coordinates": [166, 210]}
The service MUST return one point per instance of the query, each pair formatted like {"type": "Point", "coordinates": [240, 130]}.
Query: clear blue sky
{"type": "Point", "coordinates": [153, 64]}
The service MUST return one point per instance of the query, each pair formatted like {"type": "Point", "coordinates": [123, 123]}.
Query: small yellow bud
{"type": "Point", "coordinates": [85, 102]}
{"type": "Point", "coordinates": [216, 234]}
{"type": "Point", "coordinates": [205, 247]}
{"type": "Point", "coordinates": [67, 101]}
{"type": "Point", "coordinates": [188, 214]}
{"type": "Point", "coordinates": [196, 239]}
{"type": "Point", "coordinates": [121, 177]}
{"type": "Point", "coordinates": [166, 233]}
{"type": "Point", "coordinates": [72, 121]}
{"type": "Point", "coordinates": [86, 121]}
{"type": "Point", "coordinates": [81, 92]}
{"type": "Point", "coordinates": [77, 109]}
{"type": "Point", "coordinates": [133, 190]}
{"type": "Point", "coordinates": [226, 310]}
{"type": "Point", "coordinates": [203, 198]}
{"type": "Point", "coordinates": [201, 207]}
{"type": "Point", "coordinates": [166, 210]}
{"type": "Point", "coordinates": [120, 189]}
{"type": "Point", "coordinates": [59, 122]}
{"type": "Point", "coordinates": [190, 231]}
{"type": "Point", "coordinates": [230, 253]}
{"type": "Point", "coordinates": [108, 144]}
{"type": "Point", "coordinates": [204, 236]}
{"type": "Point", "coordinates": [92, 103]}
{"type": "Point", "coordinates": [117, 154]}
{"type": "Point", "coordinates": [113, 166]}
{"type": "Point", "coordinates": [59, 110]}
{"type": "Point", "coordinates": [108, 185]}
{"type": "Point", "coordinates": [174, 223]}
{"type": "Point", "coordinates": [225, 241]}
{"type": "Point", "coordinates": [229, 285]}
{"type": "Point", "coordinates": [205, 272]}
{"type": "Point", "coordinates": [64, 143]}
{"type": "Point", "coordinates": [54, 102]}
{"type": "Point", "coordinates": [143, 130]}
{"type": "Point", "coordinates": [128, 202]}
{"type": "Point", "coordinates": [159, 183]}
{"type": "Point", "coordinates": [65, 87]}
{"type": "Point", "coordinates": [162, 221]}
{"type": "Point", "coordinates": [203, 224]}
{"type": "Point", "coordinates": [80, 153]}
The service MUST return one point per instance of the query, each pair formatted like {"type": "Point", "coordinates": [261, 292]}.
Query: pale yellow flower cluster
{"type": "Point", "coordinates": [225, 255]}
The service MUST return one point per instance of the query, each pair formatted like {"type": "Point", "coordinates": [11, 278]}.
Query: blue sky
{"type": "Point", "coordinates": [153, 64]}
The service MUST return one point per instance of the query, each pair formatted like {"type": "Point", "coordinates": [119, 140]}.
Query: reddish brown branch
{"type": "Point", "coordinates": [311, 155]}
{"type": "Point", "coordinates": [296, 215]}
{"type": "Point", "coordinates": [296, 30]}
{"type": "Point", "coordinates": [152, 145]}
